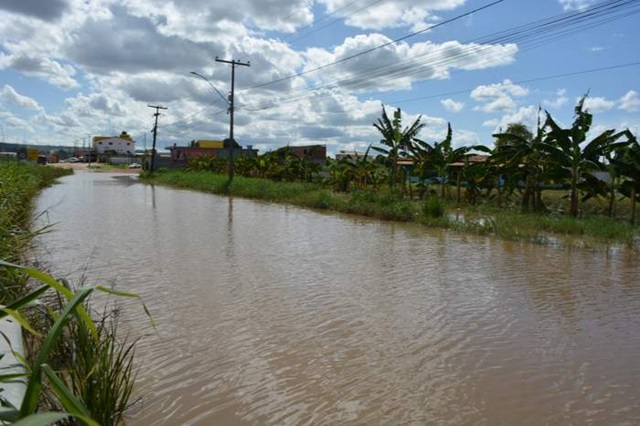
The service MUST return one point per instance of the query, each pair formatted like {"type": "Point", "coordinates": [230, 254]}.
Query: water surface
{"type": "Point", "coordinates": [269, 314]}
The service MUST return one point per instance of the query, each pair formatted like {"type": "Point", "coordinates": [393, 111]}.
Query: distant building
{"type": "Point", "coordinates": [181, 155]}
{"type": "Point", "coordinates": [121, 145]}
{"type": "Point", "coordinates": [317, 154]}
{"type": "Point", "coordinates": [350, 155]}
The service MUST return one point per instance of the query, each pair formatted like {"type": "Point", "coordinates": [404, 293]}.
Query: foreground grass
{"type": "Point", "coordinates": [75, 361]}
{"type": "Point", "coordinates": [19, 184]}
{"type": "Point", "coordinates": [506, 221]}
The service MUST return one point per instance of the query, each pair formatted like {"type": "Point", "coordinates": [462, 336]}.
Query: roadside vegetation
{"type": "Point", "coordinates": [76, 368]}
{"type": "Point", "coordinates": [550, 185]}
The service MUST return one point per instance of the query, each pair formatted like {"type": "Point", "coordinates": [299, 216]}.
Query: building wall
{"type": "Point", "coordinates": [317, 153]}
{"type": "Point", "coordinates": [119, 145]}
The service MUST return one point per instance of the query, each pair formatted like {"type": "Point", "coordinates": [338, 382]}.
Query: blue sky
{"type": "Point", "coordinates": [320, 70]}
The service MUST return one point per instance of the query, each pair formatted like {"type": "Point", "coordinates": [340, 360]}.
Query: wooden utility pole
{"type": "Point", "coordinates": [233, 64]}
{"type": "Point", "coordinates": [155, 133]}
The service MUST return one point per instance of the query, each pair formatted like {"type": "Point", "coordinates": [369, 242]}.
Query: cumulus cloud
{"type": "Point", "coordinates": [132, 45]}
{"type": "Point", "coordinates": [497, 97]}
{"type": "Point", "coordinates": [14, 98]}
{"type": "Point", "coordinates": [393, 66]}
{"type": "Point", "coordinates": [630, 102]}
{"type": "Point", "coordinates": [451, 105]}
{"type": "Point", "coordinates": [416, 14]}
{"type": "Point", "coordinates": [560, 100]}
{"type": "Point", "coordinates": [60, 75]}
{"type": "Point", "coordinates": [527, 115]}
{"type": "Point", "coordinates": [597, 104]}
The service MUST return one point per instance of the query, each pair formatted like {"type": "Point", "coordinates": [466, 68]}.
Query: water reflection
{"type": "Point", "coordinates": [270, 314]}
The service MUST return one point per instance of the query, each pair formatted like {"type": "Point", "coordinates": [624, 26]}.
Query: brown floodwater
{"type": "Point", "coordinates": [270, 314]}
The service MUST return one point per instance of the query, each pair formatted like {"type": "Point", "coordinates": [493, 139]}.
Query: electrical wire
{"type": "Point", "coordinates": [364, 52]}
{"type": "Point", "coordinates": [530, 36]}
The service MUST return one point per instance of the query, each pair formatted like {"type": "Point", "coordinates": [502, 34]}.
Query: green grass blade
{"type": "Point", "coordinates": [21, 320]}
{"type": "Point", "coordinates": [131, 295]}
{"type": "Point", "coordinates": [26, 300]}
{"type": "Point", "coordinates": [53, 283]}
{"type": "Point", "coordinates": [65, 396]}
{"type": "Point", "coordinates": [30, 402]}
{"type": "Point", "coordinates": [45, 278]}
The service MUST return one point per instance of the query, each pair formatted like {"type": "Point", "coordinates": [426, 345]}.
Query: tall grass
{"type": "Point", "coordinates": [75, 364]}
{"type": "Point", "coordinates": [19, 183]}
{"type": "Point", "coordinates": [487, 218]}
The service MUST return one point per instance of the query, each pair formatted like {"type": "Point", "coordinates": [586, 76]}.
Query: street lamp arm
{"type": "Point", "coordinates": [212, 86]}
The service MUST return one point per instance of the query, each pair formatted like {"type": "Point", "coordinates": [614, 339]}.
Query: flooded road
{"type": "Point", "coordinates": [269, 314]}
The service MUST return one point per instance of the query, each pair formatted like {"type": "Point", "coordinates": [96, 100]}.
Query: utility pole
{"type": "Point", "coordinates": [233, 64]}
{"type": "Point", "coordinates": [90, 148]}
{"type": "Point", "coordinates": [155, 133]}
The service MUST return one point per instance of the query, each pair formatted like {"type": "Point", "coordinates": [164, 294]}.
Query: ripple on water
{"type": "Point", "coordinates": [274, 315]}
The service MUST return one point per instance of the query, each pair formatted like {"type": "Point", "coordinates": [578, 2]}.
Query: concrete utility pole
{"type": "Point", "coordinates": [155, 133]}
{"type": "Point", "coordinates": [233, 64]}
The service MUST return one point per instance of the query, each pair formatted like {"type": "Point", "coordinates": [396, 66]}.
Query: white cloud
{"type": "Point", "coordinates": [491, 123]}
{"type": "Point", "coordinates": [568, 5]}
{"type": "Point", "coordinates": [490, 91]}
{"type": "Point", "coordinates": [425, 61]}
{"type": "Point", "coordinates": [630, 102]}
{"type": "Point", "coordinates": [597, 104]}
{"type": "Point", "coordinates": [560, 100]}
{"type": "Point", "coordinates": [452, 106]}
{"type": "Point", "coordinates": [527, 115]}
{"type": "Point", "coordinates": [10, 95]}
{"type": "Point", "coordinates": [416, 14]}
{"type": "Point", "coordinates": [497, 97]}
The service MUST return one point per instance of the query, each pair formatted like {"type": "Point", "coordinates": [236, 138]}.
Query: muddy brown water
{"type": "Point", "coordinates": [269, 314]}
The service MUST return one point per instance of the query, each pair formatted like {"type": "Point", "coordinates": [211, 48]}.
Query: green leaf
{"type": "Point", "coordinates": [65, 396]}
{"type": "Point", "coordinates": [24, 301]}
{"type": "Point", "coordinates": [21, 320]}
{"type": "Point", "coordinates": [53, 283]}
{"type": "Point", "coordinates": [30, 402]}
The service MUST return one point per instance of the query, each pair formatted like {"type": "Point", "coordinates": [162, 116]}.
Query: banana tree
{"type": "Point", "coordinates": [443, 155]}
{"type": "Point", "coordinates": [520, 154]}
{"type": "Point", "coordinates": [395, 139]}
{"type": "Point", "coordinates": [627, 162]}
{"type": "Point", "coordinates": [575, 158]}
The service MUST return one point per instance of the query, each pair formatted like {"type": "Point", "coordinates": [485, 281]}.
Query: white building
{"type": "Point", "coordinates": [122, 145]}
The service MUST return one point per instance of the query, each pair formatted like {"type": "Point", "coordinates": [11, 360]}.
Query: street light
{"type": "Point", "coordinates": [212, 86]}
{"type": "Point", "coordinates": [230, 104]}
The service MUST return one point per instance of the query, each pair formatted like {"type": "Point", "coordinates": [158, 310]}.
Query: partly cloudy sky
{"type": "Point", "coordinates": [320, 70]}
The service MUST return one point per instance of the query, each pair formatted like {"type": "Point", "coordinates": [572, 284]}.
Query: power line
{"type": "Point", "coordinates": [334, 21]}
{"type": "Point", "coordinates": [364, 52]}
{"type": "Point", "coordinates": [530, 35]}
{"type": "Point", "coordinates": [529, 80]}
